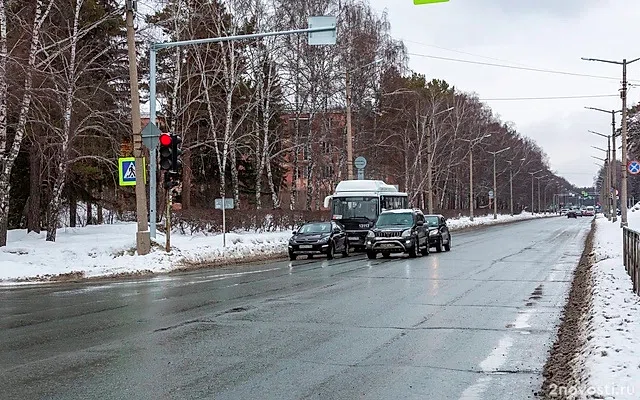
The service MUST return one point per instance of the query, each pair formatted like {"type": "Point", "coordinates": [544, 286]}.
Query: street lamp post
{"type": "Point", "coordinates": [609, 171]}
{"type": "Point", "coordinates": [472, 142]}
{"type": "Point", "coordinates": [349, 129]}
{"type": "Point", "coordinates": [623, 95]}
{"type": "Point", "coordinates": [511, 184]}
{"type": "Point", "coordinates": [495, 186]}
{"type": "Point", "coordinates": [607, 178]}
{"type": "Point", "coordinates": [430, 162]}
{"type": "Point", "coordinates": [613, 185]}
{"type": "Point", "coordinates": [539, 202]}
{"type": "Point", "coordinates": [532, 177]}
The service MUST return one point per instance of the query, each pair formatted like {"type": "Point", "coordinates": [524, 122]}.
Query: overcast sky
{"type": "Point", "coordinates": [545, 34]}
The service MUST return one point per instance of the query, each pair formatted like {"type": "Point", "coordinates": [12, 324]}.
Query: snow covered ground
{"type": "Point", "coordinates": [612, 354]}
{"type": "Point", "coordinates": [106, 250]}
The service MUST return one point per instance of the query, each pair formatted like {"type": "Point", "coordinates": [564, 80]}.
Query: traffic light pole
{"type": "Point", "coordinates": [152, 90]}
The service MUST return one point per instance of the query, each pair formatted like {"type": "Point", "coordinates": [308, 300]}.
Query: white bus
{"type": "Point", "coordinates": [356, 204]}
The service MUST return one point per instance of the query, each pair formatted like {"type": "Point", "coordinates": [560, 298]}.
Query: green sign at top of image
{"type": "Point", "coordinates": [416, 2]}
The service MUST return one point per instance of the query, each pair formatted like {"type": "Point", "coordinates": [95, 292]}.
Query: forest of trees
{"type": "Point", "coordinates": [257, 117]}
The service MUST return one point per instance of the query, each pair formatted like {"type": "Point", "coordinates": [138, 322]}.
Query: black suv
{"type": "Point", "coordinates": [439, 235]}
{"type": "Point", "coordinates": [398, 231]}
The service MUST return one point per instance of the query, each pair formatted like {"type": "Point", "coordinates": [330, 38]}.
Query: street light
{"type": "Point", "coordinates": [349, 134]}
{"type": "Point", "coordinates": [472, 142]}
{"type": "Point", "coordinates": [610, 170]}
{"type": "Point", "coordinates": [495, 188]}
{"type": "Point", "coordinates": [539, 203]}
{"type": "Point", "coordinates": [612, 165]}
{"type": "Point", "coordinates": [430, 161]}
{"type": "Point", "coordinates": [532, 177]}
{"type": "Point", "coordinates": [623, 95]}
{"type": "Point", "coordinates": [511, 184]}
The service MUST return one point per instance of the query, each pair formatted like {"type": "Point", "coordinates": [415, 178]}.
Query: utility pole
{"type": "Point", "coordinates": [430, 161]}
{"type": "Point", "coordinates": [623, 95]}
{"type": "Point", "coordinates": [609, 172]}
{"type": "Point", "coordinates": [511, 189]}
{"type": "Point", "coordinates": [539, 203]}
{"type": "Point", "coordinates": [533, 206]}
{"type": "Point", "coordinates": [349, 133]}
{"type": "Point", "coordinates": [495, 185]}
{"type": "Point", "coordinates": [472, 142]}
{"type": "Point", "coordinates": [143, 240]}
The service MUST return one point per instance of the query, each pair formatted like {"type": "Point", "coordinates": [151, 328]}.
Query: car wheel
{"type": "Point", "coordinates": [371, 255]}
{"type": "Point", "coordinates": [439, 245]}
{"type": "Point", "coordinates": [292, 256]}
{"type": "Point", "coordinates": [331, 252]}
{"type": "Point", "coordinates": [447, 247]}
{"type": "Point", "coordinates": [345, 252]}
{"type": "Point", "coordinates": [425, 251]}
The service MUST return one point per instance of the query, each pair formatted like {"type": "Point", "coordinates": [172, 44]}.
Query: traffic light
{"type": "Point", "coordinates": [176, 163]}
{"type": "Point", "coordinates": [171, 179]}
{"type": "Point", "coordinates": [166, 152]}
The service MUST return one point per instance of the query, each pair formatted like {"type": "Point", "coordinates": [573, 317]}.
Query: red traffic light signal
{"type": "Point", "coordinates": [165, 139]}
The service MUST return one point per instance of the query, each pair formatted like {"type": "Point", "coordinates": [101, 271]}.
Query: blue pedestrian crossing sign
{"type": "Point", "coordinates": [127, 171]}
{"type": "Point", "coordinates": [633, 167]}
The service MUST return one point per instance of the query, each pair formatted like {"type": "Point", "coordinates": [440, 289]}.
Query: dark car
{"type": "Point", "coordinates": [398, 231]}
{"type": "Point", "coordinates": [439, 235]}
{"type": "Point", "coordinates": [573, 213]}
{"type": "Point", "coordinates": [313, 238]}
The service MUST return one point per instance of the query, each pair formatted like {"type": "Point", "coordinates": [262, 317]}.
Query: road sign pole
{"type": "Point", "coordinates": [168, 223]}
{"type": "Point", "coordinates": [224, 223]}
{"type": "Point", "coordinates": [152, 150]}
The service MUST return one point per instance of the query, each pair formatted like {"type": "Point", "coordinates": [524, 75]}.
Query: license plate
{"type": "Point", "coordinates": [354, 238]}
{"type": "Point", "coordinates": [306, 246]}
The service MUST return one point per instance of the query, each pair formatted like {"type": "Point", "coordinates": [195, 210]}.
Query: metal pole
{"type": "Point", "coordinates": [349, 135]}
{"type": "Point", "coordinates": [167, 226]}
{"type": "Point", "coordinates": [429, 173]}
{"type": "Point", "coordinates": [511, 189]}
{"type": "Point", "coordinates": [224, 223]}
{"type": "Point", "coordinates": [143, 242]}
{"type": "Point", "coordinates": [623, 194]}
{"type": "Point", "coordinates": [153, 150]}
{"type": "Point", "coordinates": [539, 205]}
{"type": "Point", "coordinates": [611, 198]}
{"type": "Point", "coordinates": [532, 201]}
{"type": "Point", "coordinates": [608, 179]}
{"type": "Point", "coordinates": [495, 191]}
{"type": "Point", "coordinates": [470, 181]}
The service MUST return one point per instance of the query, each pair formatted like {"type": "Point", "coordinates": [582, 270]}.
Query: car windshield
{"type": "Point", "coordinates": [431, 221]}
{"type": "Point", "coordinates": [394, 219]}
{"type": "Point", "coordinates": [316, 227]}
{"type": "Point", "coordinates": [355, 207]}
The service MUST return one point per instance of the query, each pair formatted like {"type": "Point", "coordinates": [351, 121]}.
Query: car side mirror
{"type": "Point", "coordinates": [294, 232]}
{"type": "Point", "coordinates": [336, 230]}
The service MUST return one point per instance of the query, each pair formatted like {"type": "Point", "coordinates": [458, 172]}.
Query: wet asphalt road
{"type": "Point", "coordinates": [473, 323]}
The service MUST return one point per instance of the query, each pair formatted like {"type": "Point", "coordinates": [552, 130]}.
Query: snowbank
{"type": "Point", "coordinates": [106, 250]}
{"type": "Point", "coordinates": [612, 354]}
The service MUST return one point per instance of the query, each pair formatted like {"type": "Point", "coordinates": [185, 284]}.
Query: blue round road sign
{"type": "Point", "coordinates": [633, 167]}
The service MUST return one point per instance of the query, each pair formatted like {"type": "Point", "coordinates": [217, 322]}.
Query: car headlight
{"type": "Point", "coordinates": [406, 233]}
{"type": "Point", "coordinates": [433, 232]}
{"type": "Point", "coordinates": [323, 239]}
{"type": "Point", "coordinates": [371, 234]}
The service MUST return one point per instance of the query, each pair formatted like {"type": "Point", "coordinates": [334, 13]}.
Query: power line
{"type": "Point", "coordinates": [547, 71]}
{"type": "Point", "coordinates": [550, 98]}
{"type": "Point", "coordinates": [466, 53]}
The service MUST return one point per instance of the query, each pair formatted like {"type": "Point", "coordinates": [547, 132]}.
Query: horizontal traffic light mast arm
{"type": "Point", "coordinates": [164, 45]}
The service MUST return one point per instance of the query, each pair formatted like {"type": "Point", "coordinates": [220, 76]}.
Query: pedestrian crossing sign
{"type": "Point", "coordinates": [127, 171]}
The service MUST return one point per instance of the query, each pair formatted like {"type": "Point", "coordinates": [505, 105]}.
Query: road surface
{"type": "Point", "coordinates": [473, 323]}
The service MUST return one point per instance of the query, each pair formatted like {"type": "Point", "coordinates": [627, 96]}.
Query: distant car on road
{"type": "Point", "coordinates": [398, 231]}
{"type": "Point", "coordinates": [313, 238]}
{"type": "Point", "coordinates": [439, 235]}
{"type": "Point", "coordinates": [573, 213]}
{"type": "Point", "coordinates": [589, 211]}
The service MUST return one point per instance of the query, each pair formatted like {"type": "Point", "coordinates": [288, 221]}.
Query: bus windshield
{"type": "Point", "coordinates": [355, 207]}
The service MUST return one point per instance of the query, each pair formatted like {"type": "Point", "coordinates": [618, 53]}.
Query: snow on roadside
{"type": "Point", "coordinates": [612, 353]}
{"type": "Point", "coordinates": [106, 250]}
